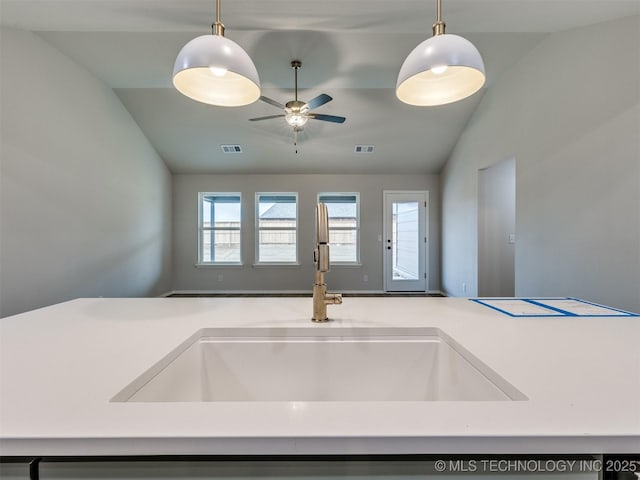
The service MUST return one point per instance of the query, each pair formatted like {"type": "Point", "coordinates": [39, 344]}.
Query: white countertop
{"type": "Point", "coordinates": [60, 366]}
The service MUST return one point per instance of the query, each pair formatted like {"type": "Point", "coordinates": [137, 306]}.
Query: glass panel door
{"type": "Point", "coordinates": [405, 241]}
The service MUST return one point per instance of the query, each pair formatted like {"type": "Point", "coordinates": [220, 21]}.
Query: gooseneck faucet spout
{"type": "Point", "coordinates": [321, 259]}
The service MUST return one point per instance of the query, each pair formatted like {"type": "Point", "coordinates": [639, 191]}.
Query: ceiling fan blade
{"type": "Point", "coordinates": [272, 102]}
{"type": "Point", "coordinates": [326, 118]}
{"type": "Point", "coordinates": [265, 118]}
{"type": "Point", "coordinates": [318, 101]}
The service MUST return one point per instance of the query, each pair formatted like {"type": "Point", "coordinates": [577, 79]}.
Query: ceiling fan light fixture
{"type": "Point", "coordinates": [443, 69]}
{"type": "Point", "coordinates": [215, 70]}
{"type": "Point", "coordinates": [296, 119]}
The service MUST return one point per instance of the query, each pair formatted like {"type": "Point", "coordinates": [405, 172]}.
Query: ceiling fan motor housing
{"type": "Point", "coordinates": [295, 106]}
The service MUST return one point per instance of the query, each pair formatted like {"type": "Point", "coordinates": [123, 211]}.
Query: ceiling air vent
{"type": "Point", "coordinates": [231, 148]}
{"type": "Point", "coordinates": [364, 149]}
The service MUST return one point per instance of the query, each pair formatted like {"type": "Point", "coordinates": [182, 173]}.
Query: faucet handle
{"type": "Point", "coordinates": [321, 255]}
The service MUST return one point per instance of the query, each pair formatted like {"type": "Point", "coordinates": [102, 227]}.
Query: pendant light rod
{"type": "Point", "coordinates": [296, 64]}
{"type": "Point", "coordinates": [217, 28]}
{"type": "Point", "coordinates": [439, 26]}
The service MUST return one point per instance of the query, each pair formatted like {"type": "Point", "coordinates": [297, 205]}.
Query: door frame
{"type": "Point", "coordinates": [424, 223]}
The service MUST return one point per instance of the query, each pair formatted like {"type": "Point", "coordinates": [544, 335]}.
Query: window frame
{"type": "Point", "coordinates": [258, 229]}
{"type": "Point", "coordinates": [202, 228]}
{"type": "Point", "coordinates": [355, 262]}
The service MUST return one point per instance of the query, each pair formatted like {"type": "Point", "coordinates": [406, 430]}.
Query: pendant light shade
{"type": "Point", "coordinates": [215, 70]}
{"type": "Point", "coordinates": [443, 69]}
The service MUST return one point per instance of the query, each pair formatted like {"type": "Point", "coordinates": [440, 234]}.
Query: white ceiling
{"type": "Point", "coordinates": [350, 49]}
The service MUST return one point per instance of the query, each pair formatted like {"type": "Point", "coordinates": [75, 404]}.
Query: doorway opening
{"type": "Point", "coordinates": [497, 229]}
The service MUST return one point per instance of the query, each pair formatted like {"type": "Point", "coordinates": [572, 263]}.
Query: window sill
{"type": "Point", "coordinates": [278, 265]}
{"type": "Point", "coordinates": [217, 265]}
{"type": "Point", "coordinates": [346, 265]}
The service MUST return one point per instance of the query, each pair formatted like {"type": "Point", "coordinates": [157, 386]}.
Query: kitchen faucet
{"type": "Point", "coordinates": [321, 259]}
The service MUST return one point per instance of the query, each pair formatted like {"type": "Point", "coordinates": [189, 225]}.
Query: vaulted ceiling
{"type": "Point", "coordinates": [350, 49]}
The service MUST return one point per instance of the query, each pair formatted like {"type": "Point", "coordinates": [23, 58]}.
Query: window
{"type": "Point", "coordinates": [277, 227]}
{"type": "Point", "coordinates": [219, 228]}
{"type": "Point", "coordinates": [344, 224]}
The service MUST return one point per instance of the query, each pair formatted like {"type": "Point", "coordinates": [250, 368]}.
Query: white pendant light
{"type": "Point", "coordinates": [215, 70]}
{"type": "Point", "coordinates": [443, 69]}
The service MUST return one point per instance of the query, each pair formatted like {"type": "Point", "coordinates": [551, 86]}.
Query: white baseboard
{"type": "Point", "coordinates": [288, 292]}
{"type": "Point", "coordinates": [236, 292]}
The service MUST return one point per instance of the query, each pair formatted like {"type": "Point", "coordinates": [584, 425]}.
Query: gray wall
{"type": "Point", "coordinates": [248, 278]}
{"type": "Point", "coordinates": [85, 201]}
{"type": "Point", "coordinates": [496, 223]}
{"type": "Point", "coordinates": [569, 113]}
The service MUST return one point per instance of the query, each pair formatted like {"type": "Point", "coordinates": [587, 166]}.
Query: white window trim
{"type": "Point", "coordinates": [257, 262]}
{"type": "Point", "coordinates": [199, 262]}
{"type": "Point", "coordinates": [355, 263]}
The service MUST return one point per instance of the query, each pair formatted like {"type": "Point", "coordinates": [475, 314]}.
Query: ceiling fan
{"type": "Point", "coordinates": [296, 112]}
